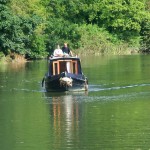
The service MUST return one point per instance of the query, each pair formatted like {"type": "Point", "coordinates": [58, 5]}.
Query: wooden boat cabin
{"type": "Point", "coordinates": [70, 65]}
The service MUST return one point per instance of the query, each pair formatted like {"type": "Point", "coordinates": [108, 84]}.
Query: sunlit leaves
{"type": "Point", "coordinates": [32, 26]}
{"type": "Point", "coordinates": [59, 32]}
{"type": "Point", "coordinates": [23, 34]}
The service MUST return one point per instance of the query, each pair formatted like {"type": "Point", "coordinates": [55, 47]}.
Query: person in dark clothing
{"type": "Point", "coordinates": [66, 50]}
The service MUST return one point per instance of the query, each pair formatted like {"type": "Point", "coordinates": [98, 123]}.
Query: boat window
{"type": "Point", "coordinates": [62, 65]}
{"type": "Point", "coordinates": [74, 67]}
{"type": "Point", "coordinates": [69, 66]}
{"type": "Point", "coordinates": [55, 68]}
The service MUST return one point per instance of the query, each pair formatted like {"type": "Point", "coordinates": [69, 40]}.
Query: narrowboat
{"type": "Point", "coordinates": [64, 74]}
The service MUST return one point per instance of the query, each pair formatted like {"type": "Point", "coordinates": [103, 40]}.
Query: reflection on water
{"type": "Point", "coordinates": [66, 114]}
{"type": "Point", "coordinates": [114, 120]}
{"type": "Point", "coordinates": [70, 111]}
{"type": "Point", "coordinates": [114, 114]}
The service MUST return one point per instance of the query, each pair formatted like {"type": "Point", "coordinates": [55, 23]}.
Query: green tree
{"type": "Point", "coordinates": [35, 46]}
{"type": "Point", "coordinates": [145, 30]}
{"type": "Point", "coordinates": [35, 27]}
{"type": "Point", "coordinates": [59, 32]}
{"type": "Point", "coordinates": [10, 31]}
{"type": "Point", "coordinates": [145, 35]}
{"type": "Point", "coordinates": [122, 18]}
{"type": "Point", "coordinates": [34, 14]}
{"type": "Point", "coordinates": [22, 34]}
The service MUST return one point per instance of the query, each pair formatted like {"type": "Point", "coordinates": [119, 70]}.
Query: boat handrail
{"type": "Point", "coordinates": [54, 57]}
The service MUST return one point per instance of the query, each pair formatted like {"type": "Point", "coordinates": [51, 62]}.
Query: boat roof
{"type": "Point", "coordinates": [64, 58]}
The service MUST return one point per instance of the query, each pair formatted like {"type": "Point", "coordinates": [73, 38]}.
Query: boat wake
{"type": "Point", "coordinates": [94, 88]}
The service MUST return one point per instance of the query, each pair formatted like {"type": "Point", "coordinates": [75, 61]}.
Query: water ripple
{"type": "Point", "coordinates": [101, 88]}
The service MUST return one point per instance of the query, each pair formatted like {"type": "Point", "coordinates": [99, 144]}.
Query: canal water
{"type": "Point", "coordinates": [114, 114]}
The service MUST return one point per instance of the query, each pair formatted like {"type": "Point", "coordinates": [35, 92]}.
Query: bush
{"type": "Point", "coordinates": [95, 40]}
{"type": "Point", "coordinates": [1, 55]}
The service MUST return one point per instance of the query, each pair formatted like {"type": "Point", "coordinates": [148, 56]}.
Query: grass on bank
{"type": "Point", "coordinates": [97, 41]}
{"type": "Point", "coordinates": [12, 57]}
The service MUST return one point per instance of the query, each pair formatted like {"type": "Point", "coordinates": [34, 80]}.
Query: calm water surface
{"type": "Point", "coordinates": [114, 114]}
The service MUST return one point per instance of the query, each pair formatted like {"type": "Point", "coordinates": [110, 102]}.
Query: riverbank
{"type": "Point", "coordinates": [100, 52]}
{"type": "Point", "coordinates": [16, 58]}
{"type": "Point", "coordinates": [12, 58]}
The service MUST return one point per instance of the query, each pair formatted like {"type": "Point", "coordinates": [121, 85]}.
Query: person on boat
{"type": "Point", "coordinates": [66, 50]}
{"type": "Point", "coordinates": [58, 52]}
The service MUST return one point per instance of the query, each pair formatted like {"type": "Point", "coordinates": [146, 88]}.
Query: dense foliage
{"type": "Point", "coordinates": [34, 27]}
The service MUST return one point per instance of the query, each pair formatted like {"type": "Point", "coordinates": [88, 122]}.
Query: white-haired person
{"type": "Point", "coordinates": [58, 52]}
